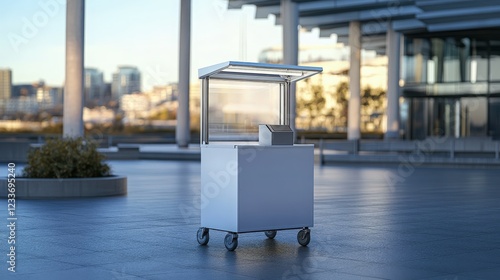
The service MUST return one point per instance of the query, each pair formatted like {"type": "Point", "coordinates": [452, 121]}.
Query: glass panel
{"type": "Point", "coordinates": [417, 51]}
{"type": "Point", "coordinates": [456, 60]}
{"type": "Point", "coordinates": [404, 116]}
{"type": "Point", "coordinates": [494, 118]}
{"type": "Point", "coordinates": [446, 60]}
{"type": "Point", "coordinates": [476, 60]}
{"type": "Point", "coordinates": [474, 112]}
{"type": "Point", "coordinates": [437, 46]}
{"type": "Point", "coordinates": [236, 109]}
{"type": "Point", "coordinates": [419, 118]}
{"type": "Point", "coordinates": [480, 56]}
{"type": "Point", "coordinates": [451, 60]}
{"type": "Point", "coordinates": [495, 60]}
{"type": "Point", "coordinates": [494, 88]}
{"type": "Point", "coordinates": [444, 117]}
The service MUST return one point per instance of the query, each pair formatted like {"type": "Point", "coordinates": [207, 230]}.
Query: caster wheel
{"type": "Point", "coordinates": [304, 237]}
{"type": "Point", "coordinates": [231, 241]}
{"type": "Point", "coordinates": [270, 234]}
{"type": "Point", "coordinates": [203, 236]}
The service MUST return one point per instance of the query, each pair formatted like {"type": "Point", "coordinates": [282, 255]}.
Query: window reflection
{"type": "Point", "coordinates": [494, 118]}
{"type": "Point", "coordinates": [494, 60]}
{"type": "Point", "coordinates": [448, 60]}
{"type": "Point", "coordinates": [451, 85]}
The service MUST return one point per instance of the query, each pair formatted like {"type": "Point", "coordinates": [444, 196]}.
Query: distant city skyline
{"type": "Point", "coordinates": [143, 34]}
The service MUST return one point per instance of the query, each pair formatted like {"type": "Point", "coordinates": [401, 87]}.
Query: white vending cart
{"type": "Point", "coordinates": [253, 177]}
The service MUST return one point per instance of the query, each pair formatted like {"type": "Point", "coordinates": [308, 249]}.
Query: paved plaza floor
{"type": "Point", "coordinates": [370, 223]}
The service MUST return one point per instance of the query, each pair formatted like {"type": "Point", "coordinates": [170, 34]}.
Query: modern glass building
{"type": "Point", "coordinates": [126, 80]}
{"type": "Point", "coordinates": [444, 58]}
{"type": "Point", "coordinates": [451, 84]}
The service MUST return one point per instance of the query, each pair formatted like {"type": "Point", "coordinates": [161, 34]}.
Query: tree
{"type": "Point", "coordinates": [341, 100]}
{"type": "Point", "coordinates": [311, 101]}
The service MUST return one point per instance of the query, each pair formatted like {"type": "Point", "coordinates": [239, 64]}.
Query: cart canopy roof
{"type": "Point", "coordinates": [261, 72]}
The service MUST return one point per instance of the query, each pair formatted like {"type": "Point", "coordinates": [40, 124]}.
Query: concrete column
{"type": "Point", "coordinates": [393, 52]}
{"type": "Point", "coordinates": [354, 107]}
{"type": "Point", "coordinates": [74, 83]}
{"type": "Point", "coordinates": [290, 20]}
{"type": "Point", "coordinates": [182, 130]}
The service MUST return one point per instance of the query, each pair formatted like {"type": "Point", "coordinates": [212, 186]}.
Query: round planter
{"type": "Point", "coordinates": [66, 188]}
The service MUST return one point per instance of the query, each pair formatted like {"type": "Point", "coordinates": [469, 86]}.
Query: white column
{"type": "Point", "coordinates": [354, 107]}
{"type": "Point", "coordinates": [290, 20]}
{"type": "Point", "coordinates": [182, 131]}
{"type": "Point", "coordinates": [393, 55]}
{"type": "Point", "coordinates": [73, 88]}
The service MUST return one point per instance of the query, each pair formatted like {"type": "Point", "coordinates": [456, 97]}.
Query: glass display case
{"type": "Point", "coordinates": [253, 176]}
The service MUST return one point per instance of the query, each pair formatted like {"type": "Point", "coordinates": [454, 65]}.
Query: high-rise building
{"type": "Point", "coordinates": [5, 86]}
{"type": "Point", "coordinates": [94, 86]}
{"type": "Point", "coordinates": [46, 96]}
{"type": "Point", "coordinates": [126, 80]}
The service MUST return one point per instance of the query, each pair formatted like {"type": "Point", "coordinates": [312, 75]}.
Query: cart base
{"type": "Point", "coordinates": [231, 239]}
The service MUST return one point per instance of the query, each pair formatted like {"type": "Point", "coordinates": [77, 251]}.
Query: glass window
{"type": "Point", "coordinates": [473, 116]}
{"type": "Point", "coordinates": [404, 116]}
{"type": "Point", "coordinates": [494, 118]}
{"type": "Point", "coordinates": [495, 60]}
{"type": "Point", "coordinates": [444, 116]}
{"type": "Point", "coordinates": [451, 60]}
{"type": "Point", "coordinates": [477, 62]}
{"type": "Point", "coordinates": [436, 60]}
{"type": "Point", "coordinates": [419, 124]}
{"type": "Point", "coordinates": [457, 60]}
{"type": "Point", "coordinates": [417, 51]}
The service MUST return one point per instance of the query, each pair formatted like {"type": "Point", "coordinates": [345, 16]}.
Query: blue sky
{"type": "Point", "coordinates": [144, 33]}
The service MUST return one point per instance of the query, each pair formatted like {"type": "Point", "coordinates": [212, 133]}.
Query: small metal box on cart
{"type": "Point", "coordinates": [253, 177]}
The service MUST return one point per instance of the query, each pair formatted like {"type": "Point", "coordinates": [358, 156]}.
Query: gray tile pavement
{"type": "Point", "coordinates": [433, 223]}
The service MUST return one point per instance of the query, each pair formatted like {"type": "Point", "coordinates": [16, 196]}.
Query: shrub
{"type": "Point", "coordinates": [66, 158]}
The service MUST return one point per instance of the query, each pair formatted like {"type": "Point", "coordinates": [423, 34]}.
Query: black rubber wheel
{"type": "Point", "coordinates": [231, 241]}
{"type": "Point", "coordinates": [270, 234]}
{"type": "Point", "coordinates": [304, 237]}
{"type": "Point", "coordinates": [203, 236]}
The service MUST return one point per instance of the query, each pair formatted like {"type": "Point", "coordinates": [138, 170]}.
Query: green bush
{"type": "Point", "coordinates": [66, 158]}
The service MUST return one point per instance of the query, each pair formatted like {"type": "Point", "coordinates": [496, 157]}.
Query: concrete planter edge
{"type": "Point", "coordinates": [48, 188]}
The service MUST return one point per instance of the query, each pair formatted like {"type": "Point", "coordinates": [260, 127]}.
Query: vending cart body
{"type": "Point", "coordinates": [253, 176]}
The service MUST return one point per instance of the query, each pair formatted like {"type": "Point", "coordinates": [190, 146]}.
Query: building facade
{"type": "Point", "coordinates": [5, 87]}
{"type": "Point", "coordinates": [452, 84]}
{"type": "Point", "coordinates": [443, 58]}
{"type": "Point", "coordinates": [126, 80]}
{"type": "Point", "coordinates": [34, 98]}
{"type": "Point", "coordinates": [94, 87]}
